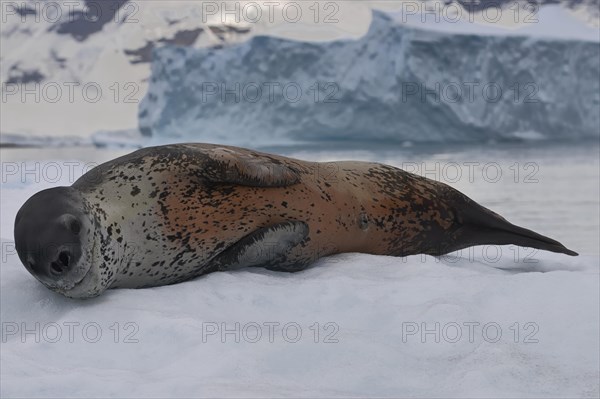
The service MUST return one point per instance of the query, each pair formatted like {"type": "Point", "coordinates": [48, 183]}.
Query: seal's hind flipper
{"type": "Point", "coordinates": [267, 247]}
{"type": "Point", "coordinates": [225, 165]}
{"type": "Point", "coordinates": [477, 225]}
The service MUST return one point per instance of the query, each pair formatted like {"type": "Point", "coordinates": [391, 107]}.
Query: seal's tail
{"type": "Point", "coordinates": [478, 225]}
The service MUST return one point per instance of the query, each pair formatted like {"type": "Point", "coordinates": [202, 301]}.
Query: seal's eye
{"type": "Point", "coordinates": [71, 223]}
{"type": "Point", "coordinates": [75, 226]}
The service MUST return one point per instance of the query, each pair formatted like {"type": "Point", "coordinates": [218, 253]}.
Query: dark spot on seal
{"type": "Point", "coordinates": [135, 191]}
{"type": "Point", "coordinates": [363, 221]}
{"type": "Point", "coordinates": [75, 227]}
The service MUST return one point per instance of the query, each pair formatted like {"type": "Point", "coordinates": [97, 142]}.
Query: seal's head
{"type": "Point", "coordinates": [54, 237]}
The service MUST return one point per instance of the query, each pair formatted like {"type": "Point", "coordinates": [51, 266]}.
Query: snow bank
{"type": "Point", "coordinates": [394, 84]}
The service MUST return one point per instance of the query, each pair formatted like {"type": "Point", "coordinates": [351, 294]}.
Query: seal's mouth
{"type": "Point", "coordinates": [75, 287]}
{"type": "Point", "coordinates": [92, 283]}
{"type": "Point", "coordinates": [69, 284]}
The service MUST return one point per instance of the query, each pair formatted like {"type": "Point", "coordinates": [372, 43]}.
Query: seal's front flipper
{"type": "Point", "coordinates": [268, 247]}
{"type": "Point", "coordinates": [225, 165]}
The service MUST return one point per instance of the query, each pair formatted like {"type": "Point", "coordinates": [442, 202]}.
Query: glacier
{"type": "Point", "coordinates": [395, 84]}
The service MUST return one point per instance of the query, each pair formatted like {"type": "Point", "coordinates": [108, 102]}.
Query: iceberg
{"type": "Point", "coordinates": [395, 84]}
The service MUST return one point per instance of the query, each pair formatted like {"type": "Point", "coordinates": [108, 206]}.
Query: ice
{"type": "Point", "coordinates": [395, 84]}
{"type": "Point", "coordinates": [28, 140]}
{"type": "Point", "coordinates": [545, 305]}
{"type": "Point", "coordinates": [118, 139]}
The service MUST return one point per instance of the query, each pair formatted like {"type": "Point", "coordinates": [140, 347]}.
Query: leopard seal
{"type": "Point", "coordinates": [166, 214]}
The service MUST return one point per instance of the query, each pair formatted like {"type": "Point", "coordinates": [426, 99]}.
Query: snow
{"type": "Point", "coordinates": [515, 19]}
{"type": "Point", "coordinates": [377, 307]}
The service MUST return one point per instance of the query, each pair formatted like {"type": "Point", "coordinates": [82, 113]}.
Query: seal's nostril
{"type": "Point", "coordinates": [61, 264]}
{"type": "Point", "coordinates": [64, 257]}
{"type": "Point", "coordinates": [56, 267]}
